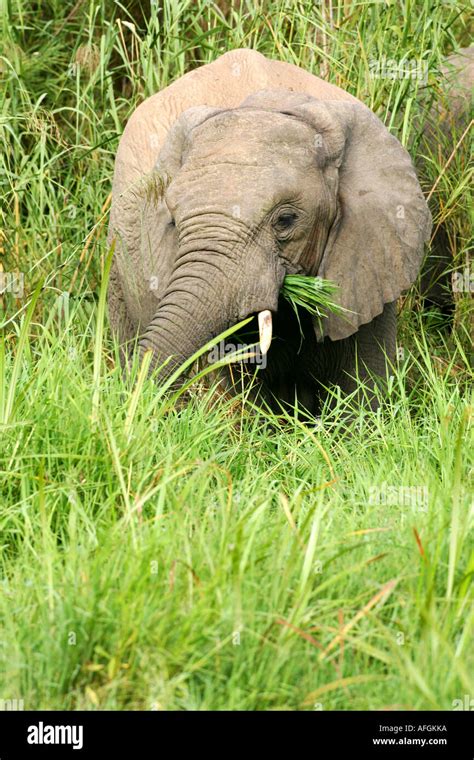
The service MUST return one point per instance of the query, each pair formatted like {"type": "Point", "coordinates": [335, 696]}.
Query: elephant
{"type": "Point", "coordinates": [442, 134]}
{"type": "Point", "coordinates": [239, 173]}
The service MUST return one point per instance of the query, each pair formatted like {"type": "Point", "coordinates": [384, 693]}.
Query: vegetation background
{"type": "Point", "coordinates": [207, 556]}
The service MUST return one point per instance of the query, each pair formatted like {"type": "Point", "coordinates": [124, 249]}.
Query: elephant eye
{"type": "Point", "coordinates": [285, 220]}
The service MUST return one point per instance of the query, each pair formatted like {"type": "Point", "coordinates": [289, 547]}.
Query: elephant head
{"type": "Point", "coordinates": [283, 184]}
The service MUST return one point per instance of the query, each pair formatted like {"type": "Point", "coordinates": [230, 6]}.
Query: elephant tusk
{"type": "Point", "coordinates": [265, 329]}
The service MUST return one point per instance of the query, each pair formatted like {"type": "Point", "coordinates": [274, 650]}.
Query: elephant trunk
{"type": "Point", "coordinates": [187, 317]}
{"type": "Point", "coordinates": [208, 293]}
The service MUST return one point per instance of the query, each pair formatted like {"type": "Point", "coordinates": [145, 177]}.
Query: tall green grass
{"type": "Point", "coordinates": [157, 555]}
{"type": "Point", "coordinates": [213, 558]}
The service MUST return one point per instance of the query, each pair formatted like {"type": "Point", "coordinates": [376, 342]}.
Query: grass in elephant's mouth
{"type": "Point", "coordinates": [314, 294]}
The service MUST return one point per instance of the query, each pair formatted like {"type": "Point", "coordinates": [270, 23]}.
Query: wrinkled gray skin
{"type": "Point", "coordinates": [282, 183]}
{"type": "Point", "coordinates": [447, 121]}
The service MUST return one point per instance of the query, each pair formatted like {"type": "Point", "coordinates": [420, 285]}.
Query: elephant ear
{"type": "Point", "coordinates": [374, 248]}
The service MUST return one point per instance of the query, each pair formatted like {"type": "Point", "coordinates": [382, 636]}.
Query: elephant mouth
{"type": "Point", "coordinates": [276, 340]}
{"type": "Point", "coordinates": [263, 339]}
{"type": "Point", "coordinates": [271, 360]}
{"type": "Point", "coordinates": [249, 346]}
{"type": "Point", "coordinates": [275, 369]}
